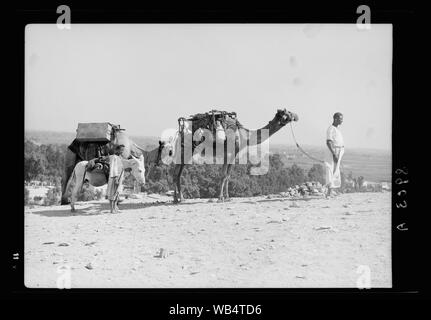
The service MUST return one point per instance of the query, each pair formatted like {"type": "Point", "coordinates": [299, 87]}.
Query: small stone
{"type": "Point", "coordinates": [274, 221]}
{"type": "Point", "coordinates": [89, 266]}
{"type": "Point", "coordinates": [294, 205]}
{"type": "Point", "coordinates": [163, 253]}
{"type": "Point", "coordinates": [63, 244]}
{"type": "Point", "coordinates": [322, 228]}
{"type": "Point", "coordinates": [259, 249]}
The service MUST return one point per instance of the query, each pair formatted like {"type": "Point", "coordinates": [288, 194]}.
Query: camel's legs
{"type": "Point", "coordinates": [229, 170]}
{"type": "Point", "coordinates": [69, 165]}
{"type": "Point", "coordinates": [222, 182]}
{"type": "Point", "coordinates": [75, 191]}
{"type": "Point", "coordinates": [177, 181]}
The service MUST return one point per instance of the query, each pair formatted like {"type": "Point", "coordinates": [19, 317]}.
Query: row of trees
{"type": "Point", "coordinates": [44, 162]}
{"type": "Point", "coordinates": [202, 181]}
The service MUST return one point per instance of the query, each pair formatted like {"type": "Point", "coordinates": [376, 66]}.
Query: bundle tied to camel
{"type": "Point", "coordinates": [217, 122]}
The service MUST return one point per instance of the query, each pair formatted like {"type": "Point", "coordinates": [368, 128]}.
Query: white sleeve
{"type": "Point", "coordinates": [330, 133]}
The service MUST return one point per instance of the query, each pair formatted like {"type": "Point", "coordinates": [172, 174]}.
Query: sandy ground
{"type": "Point", "coordinates": [248, 242]}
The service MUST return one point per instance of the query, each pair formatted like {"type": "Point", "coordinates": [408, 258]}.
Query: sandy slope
{"type": "Point", "coordinates": [248, 242]}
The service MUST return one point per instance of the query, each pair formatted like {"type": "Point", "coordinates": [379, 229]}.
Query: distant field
{"type": "Point", "coordinates": [373, 165]}
{"type": "Point", "coordinates": [49, 137]}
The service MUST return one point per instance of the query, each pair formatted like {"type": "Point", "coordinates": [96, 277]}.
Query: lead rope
{"type": "Point", "coordinates": [300, 149]}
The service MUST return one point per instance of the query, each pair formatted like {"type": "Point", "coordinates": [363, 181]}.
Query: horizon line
{"type": "Point", "coordinates": [274, 144]}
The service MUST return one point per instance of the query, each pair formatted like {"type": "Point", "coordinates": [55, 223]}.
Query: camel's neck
{"type": "Point", "coordinates": [256, 137]}
{"type": "Point", "coordinates": [150, 157]}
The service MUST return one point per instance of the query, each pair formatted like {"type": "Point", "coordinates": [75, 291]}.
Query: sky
{"type": "Point", "coordinates": [145, 76]}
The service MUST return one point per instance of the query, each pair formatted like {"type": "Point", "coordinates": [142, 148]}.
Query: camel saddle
{"type": "Point", "coordinates": [216, 121]}
{"type": "Point", "coordinates": [99, 165]}
{"type": "Point", "coordinates": [89, 148]}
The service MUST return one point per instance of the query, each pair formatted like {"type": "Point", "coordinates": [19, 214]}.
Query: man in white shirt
{"type": "Point", "coordinates": [335, 143]}
{"type": "Point", "coordinates": [115, 178]}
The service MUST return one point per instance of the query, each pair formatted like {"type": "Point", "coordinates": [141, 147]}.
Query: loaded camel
{"type": "Point", "coordinates": [132, 150]}
{"type": "Point", "coordinates": [97, 178]}
{"type": "Point", "coordinates": [281, 118]}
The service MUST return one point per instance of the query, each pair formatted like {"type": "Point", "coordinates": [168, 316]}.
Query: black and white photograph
{"type": "Point", "coordinates": [209, 155]}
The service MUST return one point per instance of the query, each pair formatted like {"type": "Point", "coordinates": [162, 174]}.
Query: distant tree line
{"type": "Point", "coordinates": [45, 163]}
{"type": "Point", "coordinates": [202, 181]}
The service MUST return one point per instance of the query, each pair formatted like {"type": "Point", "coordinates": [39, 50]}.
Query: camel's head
{"type": "Point", "coordinates": [138, 168]}
{"type": "Point", "coordinates": [284, 117]}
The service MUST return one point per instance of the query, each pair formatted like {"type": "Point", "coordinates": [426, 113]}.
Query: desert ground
{"type": "Point", "coordinates": [267, 241]}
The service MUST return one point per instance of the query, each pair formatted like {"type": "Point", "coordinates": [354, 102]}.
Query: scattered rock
{"type": "Point", "coordinates": [260, 249]}
{"type": "Point", "coordinates": [322, 228]}
{"type": "Point", "coordinates": [49, 242]}
{"type": "Point", "coordinates": [63, 244]}
{"type": "Point", "coordinates": [194, 272]}
{"type": "Point", "coordinates": [285, 219]}
{"type": "Point", "coordinates": [248, 238]}
{"type": "Point", "coordinates": [274, 221]}
{"type": "Point", "coordinates": [90, 243]}
{"type": "Point", "coordinates": [162, 253]}
{"type": "Point", "coordinates": [89, 266]}
{"type": "Point", "coordinates": [300, 277]}
{"type": "Point", "coordinates": [346, 206]}
{"type": "Point", "coordinates": [294, 205]}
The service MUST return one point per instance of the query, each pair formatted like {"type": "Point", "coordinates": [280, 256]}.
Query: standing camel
{"type": "Point", "coordinates": [282, 117]}
{"type": "Point", "coordinates": [151, 158]}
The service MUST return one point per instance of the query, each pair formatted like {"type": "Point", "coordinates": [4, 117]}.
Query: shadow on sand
{"type": "Point", "coordinates": [95, 209]}
{"type": "Point", "coordinates": [103, 208]}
